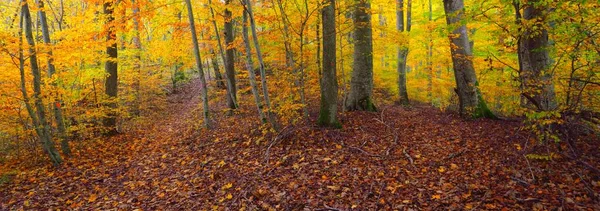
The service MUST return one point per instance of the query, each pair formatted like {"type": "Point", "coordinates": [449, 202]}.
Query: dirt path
{"type": "Point", "coordinates": [416, 158]}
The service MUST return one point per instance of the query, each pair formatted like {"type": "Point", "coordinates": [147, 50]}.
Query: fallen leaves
{"type": "Point", "coordinates": [307, 169]}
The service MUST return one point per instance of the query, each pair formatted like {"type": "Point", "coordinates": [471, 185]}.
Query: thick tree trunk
{"type": "Point", "coordinates": [199, 64]}
{"type": "Point", "coordinates": [56, 107]}
{"type": "Point", "coordinates": [218, 75]}
{"type": "Point", "coordinates": [42, 126]}
{"type": "Point", "coordinates": [261, 63]}
{"type": "Point", "coordinates": [402, 52]}
{"type": "Point", "coordinates": [361, 84]}
{"type": "Point", "coordinates": [111, 83]}
{"type": "Point", "coordinates": [329, 84]}
{"type": "Point", "coordinates": [250, 67]}
{"type": "Point", "coordinates": [471, 102]}
{"type": "Point", "coordinates": [230, 57]}
{"type": "Point", "coordinates": [536, 81]}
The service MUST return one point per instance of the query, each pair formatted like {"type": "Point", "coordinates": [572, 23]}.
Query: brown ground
{"type": "Point", "coordinates": [168, 164]}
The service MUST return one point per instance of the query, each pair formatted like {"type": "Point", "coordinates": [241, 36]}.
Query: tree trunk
{"type": "Point", "coordinates": [215, 64]}
{"type": "Point", "coordinates": [137, 58]}
{"type": "Point", "coordinates": [218, 75]}
{"type": "Point", "coordinates": [42, 127]}
{"type": "Point", "coordinates": [56, 107]}
{"type": "Point", "coordinates": [361, 84]}
{"type": "Point", "coordinates": [111, 83]}
{"type": "Point", "coordinates": [471, 102]}
{"type": "Point", "coordinates": [199, 64]}
{"type": "Point", "coordinates": [402, 51]}
{"type": "Point", "coordinates": [430, 57]}
{"type": "Point", "coordinates": [230, 58]}
{"type": "Point", "coordinates": [249, 66]}
{"type": "Point", "coordinates": [261, 64]}
{"type": "Point", "coordinates": [329, 84]}
{"type": "Point", "coordinates": [536, 81]}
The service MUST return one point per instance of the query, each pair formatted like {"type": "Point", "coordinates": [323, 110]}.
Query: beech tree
{"type": "Point", "coordinates": [329, 84]}
{"type": "Point", "coordinates": [198, 64]}
{"type": "Point", "coordinates": [361, 83]}
{"type": "Point", "coordinates": [471, 102]}
{"type": "Point", "coordinates": [403, 49]}
{"type": "Point", "coordinates": [56, 105]}
{"type": "Point", "coordinates": [230, 59]}
{"type": "Point", "coordinates": [534, 61]}
{"type": "Point", "coordinates": [38, 116]}
{"type": "Point", "coordinates": [111, 83]}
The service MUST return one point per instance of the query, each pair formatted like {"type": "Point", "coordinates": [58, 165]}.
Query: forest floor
{"type": "Point", "coordinates": [398, 158]}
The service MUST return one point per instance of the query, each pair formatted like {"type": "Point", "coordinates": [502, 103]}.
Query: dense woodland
{"type": "Point", "coordinates": [300, 104]}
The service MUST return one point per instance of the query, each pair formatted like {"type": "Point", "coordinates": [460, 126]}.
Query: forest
{"type": "Point", "coordinates": [299, 105]}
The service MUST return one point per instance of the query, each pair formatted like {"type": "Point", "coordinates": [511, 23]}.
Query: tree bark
{"type": "Point", "coordinates": [534, 61]}
{"type": "Point", "coordinates": [111, 83]}
{"type": "Point", "coordinates": [329, 84]}
{"type": "Point", "coordinates": [230, 58]}
{"type": "Point", "coordinates": [471, 102]}
{"type": "Point", "coordinates": [402, 51]}
{"type": "Point", "coordinates": [218, 75]}
{"type": "Point", "coordinates": [137, 66]}
{"type": "Point", "coordinates": [261, 63]}
{"type": "Point", "coordinates": [361, 84]}
{"type": "Point", "coordinates": [56, 107]}
{"type": "Point", "coordinates": [250, 67]}
{"type": "Point", "coordinates": [42, 127]}
{"type": "Point", "coordinates": [199, 64]}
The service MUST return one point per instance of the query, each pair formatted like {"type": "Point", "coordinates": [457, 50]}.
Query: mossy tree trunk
{"type": "Point", "coordinates": [230, 58]}
{"type": "Point", "coordinates": [471, 102]}
{"type": "Point", "coordinates": [402, 50]}
{"type": "Point", "coordinates": [534, 61]}
{"type": "Point", "coordinates": [361, 84]}
{"type": "Point", "coordinates": [329, 84]}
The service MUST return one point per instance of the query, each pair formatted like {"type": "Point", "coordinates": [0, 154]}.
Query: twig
{"type": "Point", "coordinates": [328, 208]}
{"type": "Point", "coordinates": [363, 151]}
{"type": "Point", "coordinates": [408, 157]}
{"type": "Point", "coordinates": [276, 139]}
{"type": "Point", "coordinates": [530, 171]}
{"type": "Point", "coordinates": [523, 182]}
{"type": "Point", "coordinates": [453, 155]}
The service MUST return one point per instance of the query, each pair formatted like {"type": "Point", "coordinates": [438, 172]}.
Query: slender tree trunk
{"type": "Point", "coordinates": [402, 51]}
{"type": "Point", "coordinates": [39, 117]}
{"type": "Point", "coordinates": [470, 100]}
{"type": "Point", "coordinates": [137, 66]}
{"type": "Point", "coordinates": [261, 64]}
{"type": "Point", "coordinates": [249, 66]}
{"type": "Point", "coordinates": [111, 83]}
{"type": "Point", "coordinates": [534, 60]}
{"type": "Point", "coordinates": [56, 107]}
{"type": "Point", "coordinates": [329, 85]}
{"type": "Point", "coordinates": [199, 64]}
{"type": "Point", "coordinates": [430, 57]}
{"type": "Point", "coordinates": [215, 64]}
{"type": "Point", "coordinates": [230, 58]}
{"type": "Point", "coordinates": [289, 55]}
{"type": "Point", "coordinates": [218, 75]}
{"type": "Point", "coordinates": [361, 84]}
